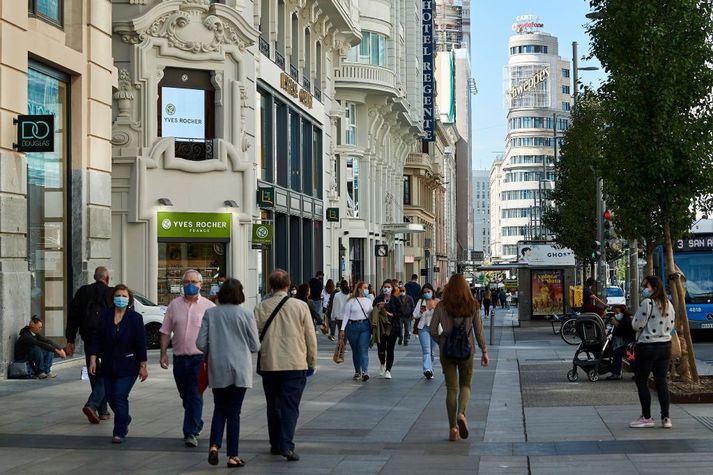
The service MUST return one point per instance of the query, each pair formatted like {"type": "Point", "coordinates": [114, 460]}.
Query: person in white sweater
{"type": "Point", "coordinates": [654, 322]}
{"type": "Point", "coordinates": [335, 308]}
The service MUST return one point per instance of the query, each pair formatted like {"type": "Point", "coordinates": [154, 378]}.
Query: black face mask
{"type": "Point", "coordinates": [345, 290]}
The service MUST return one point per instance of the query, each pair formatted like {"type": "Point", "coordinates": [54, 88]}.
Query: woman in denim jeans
{"type": "Point", "coordinates": [422, 315]}
{"type": "Point", "coordinates": [356, 326]}
{"type": "Point", "coordinates": [655, 320]}
{"type": "Point", "coordinates": [457, 308]}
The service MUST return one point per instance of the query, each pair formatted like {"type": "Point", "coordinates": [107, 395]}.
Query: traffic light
{"type": "Point", "coordinates": [596, 250]}
{"type": "Point", "coordinates": [608, 231]}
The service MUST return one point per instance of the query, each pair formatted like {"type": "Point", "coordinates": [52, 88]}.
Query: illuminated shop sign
{"type": "Point", "coordinates": [183, 113]}
{"type": "Point", "coordinates": [428, 79]}
{"type": "Point", "coordinates": [527, 24]}
{"type": "Point", "coordinates": [194, 225]}
{"type": "Point", "coordinates": [35, 133]}
{"type": "Point", "coordinates": [528, 84]}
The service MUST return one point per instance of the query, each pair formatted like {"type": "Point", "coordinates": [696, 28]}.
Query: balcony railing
{"type": "Point", "coordinates": [306, 84]}
{"type": "Point", "coordinates": [294, 72]}
{"type": "Point", "coordinates": [317, 93]}
{"type": "Point", "coordinates": [264, 47]}
{"type": "Point", "coordinates": [279, 60]}
{"type": "Point", "coordinates": [194, 150]}
{"type": "Point", "coordinates": [367, 76]}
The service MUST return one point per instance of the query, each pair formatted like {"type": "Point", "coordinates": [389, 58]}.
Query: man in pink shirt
{"type": "Point", "coordinates": [181, 323]}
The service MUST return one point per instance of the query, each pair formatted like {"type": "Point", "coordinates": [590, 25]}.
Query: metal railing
{"type": "Point", "coordinates": [306, 83]}
{"type": "Point", "coordinates": [279, 60]}
{"type": "Point", "coordinates": [317, 93]}
{"type": "Point", "coordinates": [294, 72]}
{"type": "Point", "coordinates": [264, 47]}
{"type": "Point", "coordinates": [193, 149]}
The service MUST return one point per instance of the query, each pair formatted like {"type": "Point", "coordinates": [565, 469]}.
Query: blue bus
{"type": "Point", "coordinates": [694, 256]}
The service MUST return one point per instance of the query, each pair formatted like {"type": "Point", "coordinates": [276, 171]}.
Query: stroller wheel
{"type": "Point", "coordinates": [572, 375]}
{"type": "Point", "coordinates": [593, 375]}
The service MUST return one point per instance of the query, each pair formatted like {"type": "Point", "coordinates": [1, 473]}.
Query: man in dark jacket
{"type": "Point", "coordinates": [84, 310]}
{"type": "Point", "coordinates": [413, 288]}
{"type": "Point", "coordinates": [316, 285]}
{"type": "Point", "coordinates": [38, 350]}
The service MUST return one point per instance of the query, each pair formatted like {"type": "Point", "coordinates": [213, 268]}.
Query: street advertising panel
{"type": "Point", "coordinates": [536, 255]}
{"type": "Point", "coordinates": [547, 292]}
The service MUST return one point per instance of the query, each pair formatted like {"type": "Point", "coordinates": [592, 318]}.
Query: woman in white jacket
{"type": "Point", "coordinates": [422, 314]}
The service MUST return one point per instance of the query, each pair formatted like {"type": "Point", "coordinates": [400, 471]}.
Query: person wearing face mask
{"type": "Point", "coordinates": [181, 324]}
{"type": "Point", "coordinates": [654, 321]}
{"type": "Point", "coordinates": [422, 315]}
{"type": "Point", "coordinates": [388, 301]}
{"type": "Point", "coordinates": [335, 309]}
{"type": "Point", "coordinates": [622, 334]}
{"type": "Point", "coordinates": [356, 327]}
{"type": "Point", "coordinates": [120, 344]}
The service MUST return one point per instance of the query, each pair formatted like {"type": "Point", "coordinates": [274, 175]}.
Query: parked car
{"type": "Point", "coordinates": [153, 319]}
{"type": "Point", "coordinates": [615, 296]}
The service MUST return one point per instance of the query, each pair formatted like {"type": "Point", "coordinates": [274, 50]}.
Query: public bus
{"type": "Point", "coordinates": [694, 256]}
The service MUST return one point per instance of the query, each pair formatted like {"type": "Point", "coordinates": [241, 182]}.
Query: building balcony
{"type": "Point", "coordinates": [264, 46]}
{"type": "Point", "coordinates": [420, 161]}
{"type": "Point", "coordinates": [366, 77]}
{"type": "Point", "coordinates": [279, 60]}
{"type": "Point", "coordinates": [344, 14]}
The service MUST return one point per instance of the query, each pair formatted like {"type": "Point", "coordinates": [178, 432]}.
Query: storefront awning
{"type": "Point", "coordinates": [402, 228]}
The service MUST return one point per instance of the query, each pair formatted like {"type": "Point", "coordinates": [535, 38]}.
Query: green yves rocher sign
{"type": "Point", "coordinates": [194, 225]}
{"type": "Point", "coordinates": [262, 234]}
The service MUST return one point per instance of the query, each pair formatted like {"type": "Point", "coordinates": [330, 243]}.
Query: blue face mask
{"type": "Point", "coordinates": [428, 296]}
{"type": "Point", "coordinates": [618, 317]}
{"type": "Point", "coordinates": [189, 290]}
{"type": "Point", "coordinates": [121, 302]}
{"type": "Point", "coordinates": [365, 293]}
{"type": "Point", "coordinates": [646, 293]}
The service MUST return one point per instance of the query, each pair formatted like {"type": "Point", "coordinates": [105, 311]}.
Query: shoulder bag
{"type": "Point", "coordinates": [630, 353]}
{"type": "Point", "coordinates": [267, 325]}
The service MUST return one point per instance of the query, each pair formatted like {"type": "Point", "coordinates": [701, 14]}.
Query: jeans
{"type": "Point", "coordinates": [405, 328]}
{"type": "Point", "coordinates": [616, 360]}
{"type": "Point", "coordinates": [283, 392]}
{"type": "Point", "coordinates": [41, 360]}
{"type": "Point", "coordinates": [359, 334]}
{"type": "Point", "coordinates": [317, 307]}
{"type": "Point", "coordinates": [97, 399]}
{"type": "Point", "coordinates": [652, 357]}
{"type": "Point", "coordinates": [117, 393]}
{"type": "Point", "coordinates": [458, 375]}
{"type": "Point", "coordinates": [386, 348]}
{"type": "Point", "coordinates": [228, 402]}
{"type": "Point", "coordinates": [424, 337]}
{"type": "Point", "coordinates": [185, 372]}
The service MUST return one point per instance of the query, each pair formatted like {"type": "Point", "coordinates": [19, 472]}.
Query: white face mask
{"type": "Point", "coordinates": [387, 290]}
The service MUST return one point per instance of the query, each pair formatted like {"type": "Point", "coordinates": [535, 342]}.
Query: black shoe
{"type": "Point", "coordinates": [364, 377]}
{"type": "Point", "coordinates": [291, 456]}
{"type": "Point", "coordinates": [613, 377]}
{"type": "Point", "coordinates": [428, 374]}
{"type": "Point", "coordinates": [406, 343]}
{"type": "Point", "coordinates": [213, 456]}
{"type": "Point", "coordinates": [401, 342]}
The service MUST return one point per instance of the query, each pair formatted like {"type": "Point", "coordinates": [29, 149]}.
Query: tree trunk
{"type": "Point", "coordinates": [686, 369]}
{"type": "Point", "coordinates": [650, 246]}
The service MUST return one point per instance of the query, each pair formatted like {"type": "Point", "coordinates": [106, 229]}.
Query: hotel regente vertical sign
{"type": "Point", "coordinates": [428, 78]}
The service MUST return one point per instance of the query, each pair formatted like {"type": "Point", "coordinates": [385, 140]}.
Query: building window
{"type": "Point", "coordinates": [371, 50]}
{"type": "Point", "coordinates": [537, 123]}
{"type": "Point", "coordinates": [49, 230]}
{"type": "Point", "coordinates": [509, 250]}
{"type": "Point", "coordinates": [281, 144]}
{"type": "Point", "coordinates": [317, 163]}
{"type": "Point", "coordinates": [351, 124]}
{"type": "Point", "coordinates": [565, 90]}
{"type": "Point", "coordinates": [50, 11]}
{"type": "Point", "coordinates": [566, 106]}
{"type": "Point", "coordinates": [265, 124]}
{"type": "Point", "coordinates": [186, 111]}
{"type": "Point", "coordinates": [528, 49]}
{"type": "Point", "coordinates": [407, 189]}
{"type": "Point", "coordinates": [565, 73]}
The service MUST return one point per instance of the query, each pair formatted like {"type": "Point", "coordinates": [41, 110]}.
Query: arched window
{"type": "Point", "coordinates": [294, 55]}
{"type": "Point", "coordinates": [306, 71]}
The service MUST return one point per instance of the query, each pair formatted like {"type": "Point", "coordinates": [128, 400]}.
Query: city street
{"type": "Point", "coordinates": [524, 416]}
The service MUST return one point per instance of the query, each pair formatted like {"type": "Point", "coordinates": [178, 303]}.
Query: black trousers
{"type": "Point", "coordinates": [652, 357]}
{"type": "Point", "coordinates": [386, 348]}
{"type": "Point", "coordinates": [283, 393]}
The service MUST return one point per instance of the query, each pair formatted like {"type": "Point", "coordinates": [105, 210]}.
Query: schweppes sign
{"type": "Point", "coordinates": [528, 84]}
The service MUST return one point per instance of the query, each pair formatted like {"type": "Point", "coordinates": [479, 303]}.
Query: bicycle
{"type": "Point", "coordinates": [566, 328]}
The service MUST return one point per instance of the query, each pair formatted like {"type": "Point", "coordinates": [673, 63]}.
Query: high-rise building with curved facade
{"type": "Point", "coordinates": [537, 93]}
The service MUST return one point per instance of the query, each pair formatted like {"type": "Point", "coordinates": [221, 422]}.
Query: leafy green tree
{"type": "Point", "coordinates": [658, 143]}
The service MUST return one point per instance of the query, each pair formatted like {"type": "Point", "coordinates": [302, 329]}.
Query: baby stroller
{"type": "Point", "coordinates": [594, 354]}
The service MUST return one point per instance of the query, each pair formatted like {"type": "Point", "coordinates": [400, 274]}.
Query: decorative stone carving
{"type": "Point", "coordinates": [125, 130]}
{"type": "Point", "coordinates": [388, 205]}
{"type": "Point", "coordinates": [245, 141]}
{"type": "Point", "coordinates": [124, 95]}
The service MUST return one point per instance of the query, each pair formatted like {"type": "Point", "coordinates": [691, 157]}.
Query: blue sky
{"type": "Point", "coordinates": [491, 26]}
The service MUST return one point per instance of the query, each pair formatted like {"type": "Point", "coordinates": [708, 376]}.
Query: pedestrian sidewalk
{"type": "Point", "coordinates": [525, 417]}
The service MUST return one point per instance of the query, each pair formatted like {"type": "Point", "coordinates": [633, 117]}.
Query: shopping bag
{"type": "Point", "coordinates": [339, 351]}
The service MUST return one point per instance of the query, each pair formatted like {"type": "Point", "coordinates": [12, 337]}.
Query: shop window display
{"type": "Point", "coordinates": [174, 258]}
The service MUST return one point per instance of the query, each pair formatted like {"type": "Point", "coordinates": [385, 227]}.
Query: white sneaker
{"type": "Point", "coordinates": [387, 375]}
{"type": "Point", "coordinates": [666, 423]}
{"type": "Point", "coordinates": [382, 369]}
{"type": "Point", "coordinates": [641, 423]}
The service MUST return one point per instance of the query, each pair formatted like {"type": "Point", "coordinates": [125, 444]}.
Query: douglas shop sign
{"type": "Point", "coordinates": [35, 133]}
{"type": "Point", "coordinates": [194, 225]}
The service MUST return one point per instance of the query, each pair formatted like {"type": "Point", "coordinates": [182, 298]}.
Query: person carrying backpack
{"type": "Point", "coordinates": [455, 322]}
{"type": "Point", "coordinates": [83, 317]}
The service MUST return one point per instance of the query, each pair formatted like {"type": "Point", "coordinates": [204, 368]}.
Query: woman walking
{"type": "Point", "coordinates": [227, 337]}
{"type": "Point", "coordinates": [487, 300]}
{"type": "Point", "coordinates": [120, 345]}
{"type": "Point", "coordinates": [654, 321]}
{"type": "Point", "coordinates": [356, 325]}
{"type": "Point", "coordinates": [422, 314]}
{"type": "Point", "coordinates": [392, 306]}
{"type": "Point", "coordinates": [304, 293]}
{"type": "Point", "coordinates": [458, 314]}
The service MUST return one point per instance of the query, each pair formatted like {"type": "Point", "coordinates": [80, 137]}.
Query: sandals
{"type": "Point", "coordinates": [213, 456]}
{"type": "Point", "coordinates": [453, 435]}
{"type": "Point", "coordinates": [462, 426]}
{"type": "Point", "coordinates": [237, 462]}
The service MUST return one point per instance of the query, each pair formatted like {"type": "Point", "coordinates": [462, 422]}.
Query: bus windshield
{"type": "Point", "coordinates": [698, 269]}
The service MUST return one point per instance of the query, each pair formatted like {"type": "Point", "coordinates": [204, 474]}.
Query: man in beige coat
{"type": "Point", "coordinates": [288, 353]}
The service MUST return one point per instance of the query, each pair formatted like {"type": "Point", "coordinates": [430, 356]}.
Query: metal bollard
{"type": "Point", "coordinates": [492, 326]}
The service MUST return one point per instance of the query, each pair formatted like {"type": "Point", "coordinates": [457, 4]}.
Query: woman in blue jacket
{"type": "Point", "coordinates": [120, 346]}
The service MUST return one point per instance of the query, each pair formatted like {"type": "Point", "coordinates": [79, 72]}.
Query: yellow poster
{"type": "Point", "coordinates": [547, 292]}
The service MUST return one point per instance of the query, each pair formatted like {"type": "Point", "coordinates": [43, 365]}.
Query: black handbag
{"type": "Point", "coordinates": [264, 329]}
{"type": "Point", "coordinates": [19, 370]}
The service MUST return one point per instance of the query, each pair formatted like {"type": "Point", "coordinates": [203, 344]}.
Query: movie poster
{"type": "Point", "coordinates": [547, 292]}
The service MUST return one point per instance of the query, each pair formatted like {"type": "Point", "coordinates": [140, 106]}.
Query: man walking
{"type": "Point", "coordinates": [83, 317]}
{"type": "Point", "coordinates": [413, 288]}
{"type": "Point", "coordinates": [406, 318]}
{"type": "Point", "coordinates": [316, 285]}
{"type": "Point", "coordinates": [181, 323]}
{"type": "Point", "coordinates": [288, 353]}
